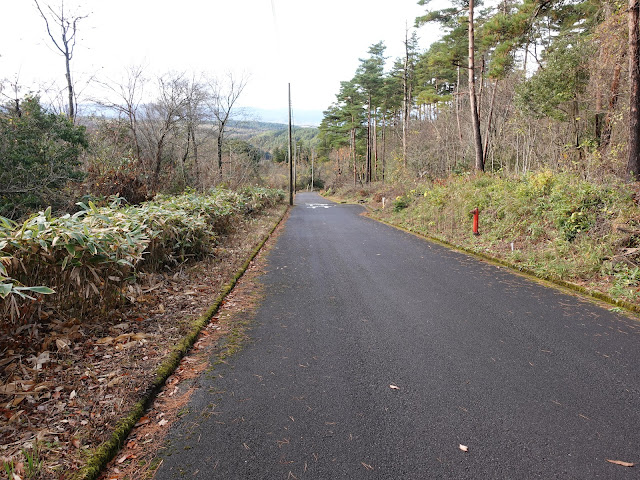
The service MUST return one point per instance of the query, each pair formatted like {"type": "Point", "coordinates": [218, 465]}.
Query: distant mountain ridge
{"type": "Point", "coordinates": [269, 135]}
{"type": "Point", "coordinates": [306, 118]}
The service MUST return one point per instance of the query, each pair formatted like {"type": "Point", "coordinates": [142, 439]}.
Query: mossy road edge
{"type": "Point", "coordinates": [109, 449]}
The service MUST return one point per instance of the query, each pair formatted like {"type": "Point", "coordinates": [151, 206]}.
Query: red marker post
{"type": "Point", "coordinates": [476, 216]}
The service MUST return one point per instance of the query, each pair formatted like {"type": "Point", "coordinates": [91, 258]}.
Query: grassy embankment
{"type": "Point", "coordinates": [556, 226]}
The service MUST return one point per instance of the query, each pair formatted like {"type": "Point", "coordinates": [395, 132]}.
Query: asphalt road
{"type": "Point", "coordinates": [536, 383]}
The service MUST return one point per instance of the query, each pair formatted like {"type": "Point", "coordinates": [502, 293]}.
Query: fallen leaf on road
{"type": "Point", "coordinates": [464, 448]}
{"type": "Point", "coordinates": [394, 387]}
{"type": "Point", "coordinates": [621, 463]}
{"type": "Point", "coordinates": [368, 467]}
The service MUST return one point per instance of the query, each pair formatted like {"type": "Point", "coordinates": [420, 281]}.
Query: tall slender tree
{"type": "Point", "coordinates": [223, 96]}
{"type": "Point", "coordinates": [449, 17]}
{"type": "Point", "coordinates": [370, 78]}
{"type": "Point", "coordinates": [408, 73]}
{"type": "Point", "coordinates": [66, 43]}
{"type": "Point", "coordinates": [475, 117]}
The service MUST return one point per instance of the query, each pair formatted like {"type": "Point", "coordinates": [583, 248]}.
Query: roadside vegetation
{"type": "Point", "coordinates": [558, 226]}
{"type": "Point", "coordinates": [523, 109]}
{"type": "Point", "coordinates": [90, 260]}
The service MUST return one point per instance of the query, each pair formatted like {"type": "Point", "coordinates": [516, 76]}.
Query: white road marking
{"type": "Point", "coordinates": [318, 205]}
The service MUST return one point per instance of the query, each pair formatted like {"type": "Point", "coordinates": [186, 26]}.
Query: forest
{"type": "Point", "coordinates": [525, 111]}
{"type": "Point", "coordinates": [550, 89]}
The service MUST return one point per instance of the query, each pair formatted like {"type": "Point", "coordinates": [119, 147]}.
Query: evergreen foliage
{"type": "Point", "coordinates": [39, 154]}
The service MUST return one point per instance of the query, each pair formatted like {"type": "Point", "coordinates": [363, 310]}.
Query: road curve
{"type": "Point", "coordinates": [376, 354]}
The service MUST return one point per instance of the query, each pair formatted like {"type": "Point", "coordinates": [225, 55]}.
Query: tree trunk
{"type": "Point", "coordinates": [405, 101]}
{"type": "Point", "coordinates": [196, 166]}
{"type": "Point", "coordinates": [353, 154]}
{"type": "Point", "coordinates": [220, 152]}
{"type": "Point", "coordinates": [633, 166]}
{"type": "Point", "coordinates": [156, 171]}
{"type": "Point", "coordinates": [186, 156]}
{"type": "Point", "coordinates": [477, 137]}
{"type": "Point", "coordinates": [375, 147]}
{"type": "Point", "coordinates": [607, 124]}
{"type": "Point", "coordinates": [72, 113]}
{"type": "Point", "coordinates": [457, 96]}
{"type": "Point", "coordinates": [489, 119]}
{"type": "Point", "coordinates": [384, 145]}
{"type": "Point", "coordinates": [368, 170]}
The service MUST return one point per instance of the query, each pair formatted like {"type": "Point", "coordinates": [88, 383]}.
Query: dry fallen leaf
{"type": "Point", "coordinates": [464, 448]}
{"type": "Point", "coordinates": [75, 442]}
{"type": "Point", "coordinates": [163, 422]}
{"type": "Point", "coordinates": [621, 463]}
{"type": "Point", "coordinates": [142, 421]}
{"type": "Point", "coordinates": [394, 387]}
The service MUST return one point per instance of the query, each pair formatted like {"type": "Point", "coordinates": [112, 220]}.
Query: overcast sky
{"type": "Point", "coordinates": [322, 40]}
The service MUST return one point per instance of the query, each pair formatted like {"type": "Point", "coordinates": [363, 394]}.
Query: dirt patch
{"type": "Point", "coordinates": [65, 383]}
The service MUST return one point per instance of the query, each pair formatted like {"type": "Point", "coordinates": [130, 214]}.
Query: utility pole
{"type": "Point", "coordinates": [290, 154]}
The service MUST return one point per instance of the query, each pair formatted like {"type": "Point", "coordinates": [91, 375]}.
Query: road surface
{"type": "Point", "coordinates": [376, 354]}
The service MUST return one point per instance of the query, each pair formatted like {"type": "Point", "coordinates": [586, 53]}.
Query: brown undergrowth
{"type": "Point", "coordinates": [66, 382]}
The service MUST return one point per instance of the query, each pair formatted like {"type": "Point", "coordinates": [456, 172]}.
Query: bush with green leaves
{"type": "Point", "coordinates": [39, 154]}
{"type": "Point", "coordinates": [560, 225]}
{"type": "Point", "coordinates": [89, 257]}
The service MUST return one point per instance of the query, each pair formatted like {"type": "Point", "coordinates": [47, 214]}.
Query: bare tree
{"type": "Point", "coordinates": [160, 122]}
{"type": "Point", "coordinates": [65, 43]}
{"type": "Point", "coordinates": [14, 99]}
{"type": "Point", "coordinates": [193, 117]}
{"type": "Point", "coordinates": [223, 96]}
{"type": "Point", "coordinates": [127, 99]}
{"type": "Point", "coordinates": [475, 118]}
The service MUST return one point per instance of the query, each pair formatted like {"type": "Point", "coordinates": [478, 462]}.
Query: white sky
{"type": "Point", "coordinates": [322, 38]}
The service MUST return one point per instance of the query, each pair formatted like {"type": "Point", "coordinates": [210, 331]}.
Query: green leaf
{"type": "Point", "coordinates": [41, 289]}
{"type": "Point", "coordinates": [5, 289]}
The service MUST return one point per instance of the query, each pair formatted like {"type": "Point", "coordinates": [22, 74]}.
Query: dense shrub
{"type": "Point", "coordinates": [39, 154]}
{"type": "Point", "coordinates": [88, 258]}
